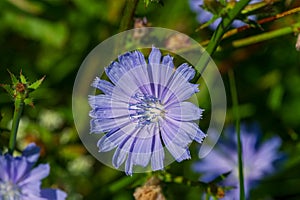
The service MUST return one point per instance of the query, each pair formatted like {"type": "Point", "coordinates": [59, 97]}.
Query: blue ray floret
{"type": "Point", "coordinates": [258, 159]}
{"type": "Point", "coordinates": [144, 109]}
{"type": "Point", "coordinates": [20, 180]}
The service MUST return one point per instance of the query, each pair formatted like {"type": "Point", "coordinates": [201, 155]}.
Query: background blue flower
{"type": "Point", "coordinates": [144, 109]}
{"type": "Point", "coordinates": [258, 159]}
{"type": "Point", "coordinates": [20, 180]}
{"type": "Point", "coordinates": [204, 16]}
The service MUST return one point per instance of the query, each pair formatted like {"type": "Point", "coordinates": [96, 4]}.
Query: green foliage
{"type": "Point", "coordinates": [47, 32]}
{"type": "Point", "coordinates": [36, 84]}
{"type": "Point", "coordinates": [21, 89]}
{"type": "Point", "coordinates": [53, 37]}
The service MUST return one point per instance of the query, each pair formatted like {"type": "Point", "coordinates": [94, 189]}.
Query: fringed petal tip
{"type": "Point", "coordinates": [200, 136]}
{"type": "Point", "coordinates": [196, 87]}
{"type": "Point", "coordinates": [186, 71]}
{"type": "Point", "coordinates": [95, 82]}
{"type": "Point", "coordinates": [185, 156]}
{"type": "Point", "coordinates": [155, 56]}
{"type": "Point", "coordinates": [103, 85]}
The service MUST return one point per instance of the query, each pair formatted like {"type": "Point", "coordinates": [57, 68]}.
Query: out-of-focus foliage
{"type": "Point", "coordinates": [52, 37]}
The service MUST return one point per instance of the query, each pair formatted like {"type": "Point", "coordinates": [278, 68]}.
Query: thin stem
{"type": "Point", "coordinates": [218, 34]}
{"type": "Point", "coordinates": [19, 104]}
{"type": "Point", "coordinates": [238, 131]}
{"type": "Point", "coordinates": [207, 196]}
{"type": "Point", "coordinates": [269, 35]}
{"type": "Point", "coordinates": [261, 21]}
{"type": "Point", "coordinates": [123, 182]}
{"type": "Point", "coordinates": [266, 36]}
{"type": "Point", "coordinates": [225, 23]}
{"type": "Point", "coordinates": [128, 14]}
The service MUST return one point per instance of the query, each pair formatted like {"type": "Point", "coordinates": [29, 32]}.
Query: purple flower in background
{"type": "Point", "coordinates": [144, 109]}
{"type": "Point", "coordinates": [20, 180]}
{"type": "Point", "coordinates": [204, 16]}
{"type": "Point", "coordinates": [258, 160]}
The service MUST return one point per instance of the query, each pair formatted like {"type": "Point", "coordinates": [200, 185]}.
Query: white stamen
{"type": "Point", "coordinates": [9, 191]}
{"type": "Point", "coordinates": [147, 110]}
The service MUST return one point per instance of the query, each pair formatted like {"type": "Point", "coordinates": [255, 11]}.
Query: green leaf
{"type": "Point", "coordinates": [8, 89]}
{"type": "Point", "coordinates": [28, 101]}
{"type": "Point", "coordinates": [23, 79]}
{"type": "Point", "coordinates": [209, 22]}
{"type": "Point", "coordinates": [36, 84]}
{"type": "Point", "coordinates": [249, 9]}
{"type": "Point", "coordinates": [14, 80]}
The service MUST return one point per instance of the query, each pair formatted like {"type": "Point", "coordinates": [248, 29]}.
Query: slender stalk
{"type": "Point", "coordinates": [238, 131]}
{"type": "Point", "coordinates": [19, 104]}
{"type": "Point", "coordinates": [266, 36]}
{"type": "Point", "coordinates": [261, 21]}
{"type": "Point", "coordinates": [207, 196]}
{"type": "Point", "coordinates": [260, 37]}
{"type": "Point", "coordinates": [225, 23]}
{"type": "Point", "coordinates": [123, 182]}
{"type": "Point", "coordinates": [218, 34]}
{"type": "Point", "coordinates": [128, 14]}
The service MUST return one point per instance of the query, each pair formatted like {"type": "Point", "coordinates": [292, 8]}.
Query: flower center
{"type": "Point", "coordinates": [9, 191]}
{"type": "Point", "coordinates": [146, 110]}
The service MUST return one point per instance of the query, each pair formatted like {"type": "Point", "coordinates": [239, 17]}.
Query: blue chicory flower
{"type": "Point", "coordinates": [20, 180]}
{"type": "Point", "coordinates": [258, 160]}
{"type": "Point", "coordinates": [204, 16]}
{"type": "Point", "coordinates": [144, 109]}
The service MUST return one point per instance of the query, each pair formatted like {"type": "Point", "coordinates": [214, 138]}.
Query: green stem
{"type": "Point", "coordinates": [266, 36]}
{"type": "Point", "coordinates": [218, 34]}
{"type": "Point", "coordinates": [207, 196]}
{"type": "Point", "coordinates": [225, 23]}
{"type": "Point", "coordinates": [123, 182]}
{"type": "Point", "coordinates": [127, 19]}
{"type": "Point", "coordinates": [19, 104]}
{"type": "Point", "coordinates": [238, 131]}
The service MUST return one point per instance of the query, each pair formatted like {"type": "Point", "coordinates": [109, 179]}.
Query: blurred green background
{"type": "Point", "coordinates": [52, 37]}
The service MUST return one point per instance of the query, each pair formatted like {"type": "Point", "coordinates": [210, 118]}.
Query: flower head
{"type": "Point", "coordinates": [204, 16]}
{"type": "Point", "coordinates": [144, 109]}
{"type": "Point", "coordinates": [258, 160]}
{"type": "Point", "coordinates": [20, 180]}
